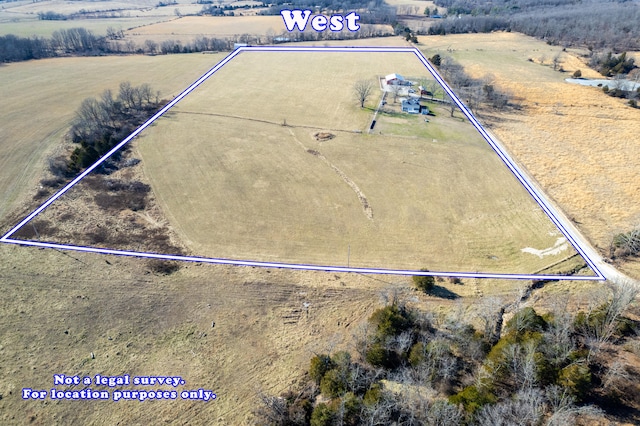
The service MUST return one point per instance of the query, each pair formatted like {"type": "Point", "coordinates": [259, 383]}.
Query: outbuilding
{"type": "Point", "coordinates": [395, 79]}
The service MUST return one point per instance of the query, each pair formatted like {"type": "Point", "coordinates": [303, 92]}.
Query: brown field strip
{"type": "Point", "coordinates": [40, 98]}
{"type": "Point", "coordinates": [579, 144]}
{"type": "Point", "coordinates": [247, 189]}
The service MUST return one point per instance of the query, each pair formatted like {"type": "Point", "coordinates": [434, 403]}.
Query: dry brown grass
{"type": "Point", "coordinates": [40, 98]}
{"type": "Point", "coordinates": [29, 26]}
{"type": "Point", "coordinates": [57, 308]}
{"type": "Point", "coordinates": [188, 28]}
{"type": "Point", "coordinates": [139, 323]}
{"type": "Point", "coordinates": [212, 26]}
{"type": "Point", "coordinates": [236, 183]}
{"type": "Point", "coordinates": [576, 142]}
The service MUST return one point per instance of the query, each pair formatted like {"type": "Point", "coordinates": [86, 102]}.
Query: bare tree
{"type": "Point", "coordinates": [526, 408]}
{"type": "Point", "coordinates": [152, 46]}
{"type": "Point", "coordinates": [601, 320]}
{"type": "Point", "coordinates": [435, 89]}
{"type": "Point", "coordinates": [558, 343]}
{"type": "Point", "coordinates": [557, 61]}
{"type": "Point", "coordinates": [362, 89]}
{"type": "Point", "coordinates": [452, 105]}
{"type": "Point", "coordinates": [616, 374]}
{"type": "Point", "coordinates": [443, 413]}
{"type": "Point", "coordinates": [626, 243]}
{"type": "Point", "coordinates": [490, 312]}
{"type": "Point", "coordinates": [563, 408]}
{"type": "Point", "coordinates": [395, 89]}
{"type": "Point", "coordinates": [272, 411]}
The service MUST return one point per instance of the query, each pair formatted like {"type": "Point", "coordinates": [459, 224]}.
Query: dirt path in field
{"type": "Point", "coordinates": [368, 211]}
{"type": "Point", "coordinates": [258, 120]}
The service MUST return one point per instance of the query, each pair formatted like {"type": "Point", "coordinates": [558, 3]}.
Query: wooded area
{"type": "Point", "coordinates": [517, 368]}
{"type": "Point", "coordinates": [83, 42]}
{"type": "Point", "coordinates": [597, 24]}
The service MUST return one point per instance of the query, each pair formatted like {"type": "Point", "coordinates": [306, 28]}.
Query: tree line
{"type": "Point", "coordinates": [412, 367]}
{"type": "Point", "coordinates": [597, 24]}
{"type": "Point", "coordinates": [375, 12]}
{"type": "Point", "coordinates": [478, 93]}
{"type": "Point", "coordinates": [74, 41]}
{"type": "Point", "coordinates": [101, 123]}
{"type": "Point", "coordinates": [83, 42]}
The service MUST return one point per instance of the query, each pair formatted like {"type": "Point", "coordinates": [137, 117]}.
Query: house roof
{"type": "Point", "coordinates": [410, 101]}
{"type": "Point", "coordinates": [394, 77]}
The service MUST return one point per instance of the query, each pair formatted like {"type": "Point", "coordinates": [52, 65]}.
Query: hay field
{"type": "Point", "coordinates": [134, 8]}
{"type": "Point", "coordinates": [40, 98]}
{"type": "Point", "coordinates": [579, 144]}
{"type": "Point", "coordinates": [28, 27]}
{"type": "Point", "coordinates": [20, 18]}
{"type": "Point", "coordinates": [212, 26]}
{"type": "Point", "coordinates": [412, 7]}
{"type": "Point", "coordinates": [187, 28]}
{"type": "Point", "coordinates": [235, 182]}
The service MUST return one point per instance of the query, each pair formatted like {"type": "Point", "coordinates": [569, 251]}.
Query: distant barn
{"type": "Point", "coordinates": [424, 91]}
{"type": "Point", "coordinates": [396, 79]}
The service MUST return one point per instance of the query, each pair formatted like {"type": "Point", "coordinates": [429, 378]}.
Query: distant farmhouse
{"type": "Point", "coordinates": [412, 106]}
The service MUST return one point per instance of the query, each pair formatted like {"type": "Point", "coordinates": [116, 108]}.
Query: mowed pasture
{"type": "Point", "coordinates": [239, 174]}
{"type": "Point", "coordinates": [578, 143]}
{"type": "Point", "coordinates": [40, 98]}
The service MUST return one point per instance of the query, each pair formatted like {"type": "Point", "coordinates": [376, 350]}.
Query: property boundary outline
{"type": "Point", "coordinates": [536, 193]}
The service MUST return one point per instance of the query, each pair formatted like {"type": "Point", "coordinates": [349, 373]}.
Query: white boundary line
{"type": "Point", "coordinates": [538, 196]}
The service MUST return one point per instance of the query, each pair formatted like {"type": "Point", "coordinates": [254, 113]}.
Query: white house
{"type": "Point", "coordinates": [412, 106]}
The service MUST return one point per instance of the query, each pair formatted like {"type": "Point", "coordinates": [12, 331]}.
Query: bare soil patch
{"type": "Point", "coordinates": [324, 136]}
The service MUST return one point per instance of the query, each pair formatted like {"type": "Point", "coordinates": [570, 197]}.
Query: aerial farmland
{"type": "Point", "coordinates": [277, 163]}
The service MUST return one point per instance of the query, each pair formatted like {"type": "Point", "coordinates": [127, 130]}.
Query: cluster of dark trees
{"type": "Point", "coordinates": [82, 42]}
{"type": "Point", "coordinates": [410, 367]}
{"type": "Point", "coordinates": [375, 12]}
{"type": "Point", "coordinates": [102, 123]}
{"type": "Point", "coordinates": [475, 92]}
{"type": "Point", "coordinates": [624, 72]}
{"type": "Point", "coordinates": [470, 24]}
{"type": "Point", "coordinates": [73, 41]}
{"type": "Point", "coordinates": [610, 65]}
{"type": "Point", "coordinates": [595, 23]}
{"type": "Point", "coordinates": [52, 16]}
{"type": "Point", "coordinates": [626, 244]}
{"type": "Point", "coordinates": [224, 10]}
